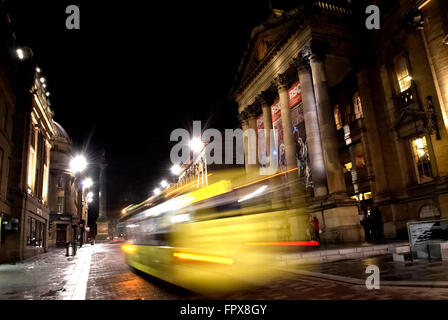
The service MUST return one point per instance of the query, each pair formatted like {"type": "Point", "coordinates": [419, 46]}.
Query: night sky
{"type": "Point", "coordinates": [135, 71]}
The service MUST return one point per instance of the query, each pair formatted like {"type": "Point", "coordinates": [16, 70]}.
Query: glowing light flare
{"type": "Point", "coordinates": [157, 191]}
{"type": "Point", "coordinates": [176, 169]}
{"type": "Point", "coordinates": [87, 183]}
{"type": "Point", "coordinates": [253, 194]}
{"type": "Point", "coordinates": [267, 178]}
{"type": "Point", "coordinates": [78, 164]}
{"type": "Point", "coordinates": [20, 54]}
{"type": "Point", "coordinates": [203, 258]}
{"type": "Point", "coordinates": [128, 248]}
{"type": "Point", "coordinates": [164, 184]}
{"type": "Point", "coordinates": [180, 218]}
{"type": "Point", "coordinates": [196, 144]}
{"type": "Point", "coordinates": [123, 211]}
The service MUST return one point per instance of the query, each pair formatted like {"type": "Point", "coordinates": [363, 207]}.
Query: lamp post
{"type": "Point", "coordinates": [197, 146]}
{"type": "Point", "coordinates": [78, 164]}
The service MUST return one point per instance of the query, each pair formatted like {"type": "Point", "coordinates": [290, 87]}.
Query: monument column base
{"type": "Point", "coordinates": [102, 227]}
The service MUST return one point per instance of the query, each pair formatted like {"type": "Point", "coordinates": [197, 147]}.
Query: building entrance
{"type": "Point", "coordinates": [61, 235]}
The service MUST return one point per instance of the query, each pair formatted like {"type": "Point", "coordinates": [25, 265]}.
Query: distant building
{"type": "Point", "coordinates": [362, 114]}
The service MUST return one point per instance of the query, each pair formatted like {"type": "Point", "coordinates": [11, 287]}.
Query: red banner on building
{"type": "Point", "coordinates": [295, 94]}
{"type": "Point", "coordinates": [276, 111]}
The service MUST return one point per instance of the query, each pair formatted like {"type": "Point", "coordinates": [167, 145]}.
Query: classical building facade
{"type": "Point", "coordinates": [67, 198]}
{"type": "Point", "coordinates": [362, 114]}
{"type": "Point", "coordinates": [8, 223]}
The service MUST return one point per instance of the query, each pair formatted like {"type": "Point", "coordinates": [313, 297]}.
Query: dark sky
{"type": "Point", "coordinates": [135, 71]}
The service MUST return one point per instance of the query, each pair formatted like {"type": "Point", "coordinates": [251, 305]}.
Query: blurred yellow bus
{"type": "Point", "coordinates": [214, 238]}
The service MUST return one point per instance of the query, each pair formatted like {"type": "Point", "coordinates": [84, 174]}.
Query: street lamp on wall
{"type": "Point", "coordinates": [78, 164]}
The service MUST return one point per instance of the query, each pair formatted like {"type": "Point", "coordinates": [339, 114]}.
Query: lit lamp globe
{"type": "Point", "coordinates": [78, 164]}
{"type": "Point", "coordinates": [87, 183]}
{"type": "Point", "coordinates": [164, 184]}
{"type": "Point", "coordinates": [196, 145]}
{"type": "Point", "coordinates": [176, 169]}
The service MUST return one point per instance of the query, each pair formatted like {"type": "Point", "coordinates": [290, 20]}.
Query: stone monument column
{"type": "Point", "coordinates": [102, 221]}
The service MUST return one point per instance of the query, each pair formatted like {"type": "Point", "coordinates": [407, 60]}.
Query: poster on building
{"type": "Point", "coordinates": [278, 135]}
{"type": "Point", "coordinates": [299, 133]}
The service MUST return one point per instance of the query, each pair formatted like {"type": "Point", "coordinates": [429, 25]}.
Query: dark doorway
{"type": "Point", "coordinates": [61, 235]}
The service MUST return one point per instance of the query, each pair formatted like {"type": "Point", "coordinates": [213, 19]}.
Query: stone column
{"type": "Point", "coordinates": [242, 117]}
{"type": "Point", "coordinates": [267, 121]}
{"type": "Point", "coordinates": [290, 146]}
{"type": "Point", "coordinates": [253, 112]}
{"type": "Point", "coordinates": [312, 126]}
{"type": "Point", "coordinates": [328, 133]}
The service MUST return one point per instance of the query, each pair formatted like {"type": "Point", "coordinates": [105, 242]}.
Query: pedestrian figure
{"type": "Point", "coordinates": [363, 222]}
{"type": "Point", "coordinates": [316, 228]}
{"type": "Point", "coordinates": [377, 222]}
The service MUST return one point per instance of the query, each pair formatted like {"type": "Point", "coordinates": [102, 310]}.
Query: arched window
{"type": "Point", "coordinates": [337, 117]}
{"type": "Point", "coordinates": [357, 106]}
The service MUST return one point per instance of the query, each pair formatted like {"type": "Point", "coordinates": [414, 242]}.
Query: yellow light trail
{"type": "Point", "coordinates": [204, 258]}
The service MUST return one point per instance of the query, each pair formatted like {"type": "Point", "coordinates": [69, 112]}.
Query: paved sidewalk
{"type": "Point", "coordinates": [335, 252]}
{"type": "Point", "coordinates": [49, 276]}
{"type": "Point", "coordinates": [419, 273]}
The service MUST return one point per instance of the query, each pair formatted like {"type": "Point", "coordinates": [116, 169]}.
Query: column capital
{"type": "Point", "coordinates": [281, 82]}
{"type": "Point", "coordinates": [302, 61]}
{"type": "Point", "coordinates": [414, 19]}
{"type": "Point", "coordinates": [263, 99]}
{"type": "Point", "coordinates": [316, 51]}
{"type": "Point", "coordinates": [243, 116]}
{"type": "Point", "coordinates": [253, 110]}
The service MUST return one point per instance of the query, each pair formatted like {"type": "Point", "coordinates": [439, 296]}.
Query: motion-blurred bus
{"type": "Point", "coordinates": [216, 237]}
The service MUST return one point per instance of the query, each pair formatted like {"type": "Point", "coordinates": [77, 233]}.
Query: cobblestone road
{"type": "Point", "coordinates": [109, 278]}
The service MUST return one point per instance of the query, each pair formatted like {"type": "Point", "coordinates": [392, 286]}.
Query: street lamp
{"type": "Point", "coordinates": [164, 184]}
{"type": "Point", "coordinates": [176, 169]}
{"type": "Point", "coordinates": [196, 145]}
{"type": "Point", "coordinates": [157, 191]}
{"type": "Point", "coordinates": [87, 183]}
{"type": "Point", "coordinates": [78, 164]}
{"type": "Point", "coordinates": [90, 197]}
{"type": "Point", "coordinates": [20, 54]}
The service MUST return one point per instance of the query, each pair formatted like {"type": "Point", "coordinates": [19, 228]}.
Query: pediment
{"type": "Point", "coordinates": [264, 40]}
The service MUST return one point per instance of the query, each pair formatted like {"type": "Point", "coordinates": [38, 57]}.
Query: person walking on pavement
{"type": "Point", "coordinates": [316, 228]}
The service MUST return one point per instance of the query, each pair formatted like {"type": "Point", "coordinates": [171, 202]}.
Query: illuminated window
{"type": "Point", "coordinates": [348, 166]}
{"type": "Point", "coordinates": [422, 159]}
{"type": "Point", "coordinates": [402, 71]}
{"type": "Point", "coordinates": [337, 117]}
{"type": "Point", "coordinates": [32, 161]}
{"type": "Point", "coordinates": [357, 106]}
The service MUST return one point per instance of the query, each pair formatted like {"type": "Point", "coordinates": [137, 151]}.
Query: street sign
{"type": "Point", "coordinates": [425, 237]}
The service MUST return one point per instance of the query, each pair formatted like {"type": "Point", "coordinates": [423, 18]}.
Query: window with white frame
{"type": "Point", "coordinates": [422, 159]}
